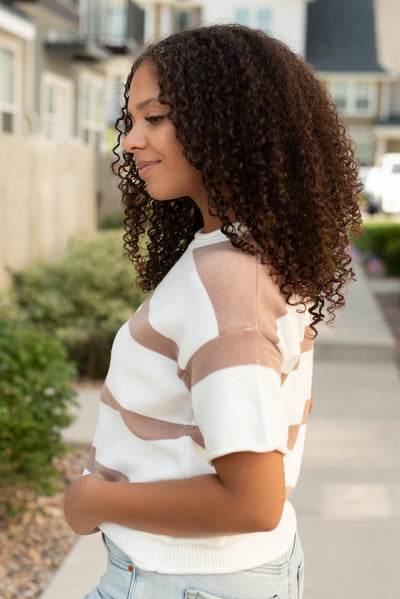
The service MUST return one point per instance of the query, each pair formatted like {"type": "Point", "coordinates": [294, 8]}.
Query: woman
{"type": "Point", "coordinates": [238, 171]}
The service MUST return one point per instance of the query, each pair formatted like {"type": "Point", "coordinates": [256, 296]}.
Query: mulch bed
{"type": "Point", "coordinates": [34, 541]}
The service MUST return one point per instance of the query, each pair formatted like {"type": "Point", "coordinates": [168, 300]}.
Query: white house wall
{"type": "Point", "coordinates": [288, 17]}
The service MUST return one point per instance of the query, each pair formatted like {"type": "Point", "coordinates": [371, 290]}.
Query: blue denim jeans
{"type": "Point", "coordinates": [280, 579]}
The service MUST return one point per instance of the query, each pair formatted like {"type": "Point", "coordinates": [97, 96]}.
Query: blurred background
{"type": "Point", "coordinates": [65, 287]}
{"type": "Point", "coordinates": [63, 64]}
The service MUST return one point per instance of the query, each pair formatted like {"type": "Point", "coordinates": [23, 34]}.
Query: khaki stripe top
{"type": "Point", "coordinates": [213, 362]}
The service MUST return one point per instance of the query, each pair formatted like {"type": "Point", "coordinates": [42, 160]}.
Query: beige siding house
{"type": "Point", "coordinates": [17, 39]}
{"type": "Point", "coordinates": [354, 47]}
{"type": "Point", "coordinates": [285, 19]}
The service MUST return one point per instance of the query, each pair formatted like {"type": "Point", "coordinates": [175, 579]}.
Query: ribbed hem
{"type": "Point", "coordinates": [216, 555]}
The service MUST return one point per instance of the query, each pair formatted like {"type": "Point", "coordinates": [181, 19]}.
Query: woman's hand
{"type": "Point", "coordinates": [81, 503]}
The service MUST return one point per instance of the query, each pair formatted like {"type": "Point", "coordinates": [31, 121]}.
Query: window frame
{"type": "Point", "coordinates": [13, 108]}
{"type": "Point", "coordinates": [92, 125]}
{"type": "Point", "coordinates": [351, 96]}
{"type": "Point", "coordinates": [253, 15]}
{"type": "Point", "coordinates": [57, 125]}
{"type": "Point", "coordinates": [364, 142]}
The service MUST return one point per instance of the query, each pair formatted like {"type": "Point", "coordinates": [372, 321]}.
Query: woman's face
{"type": "Point", "coordinates": [152, 140]}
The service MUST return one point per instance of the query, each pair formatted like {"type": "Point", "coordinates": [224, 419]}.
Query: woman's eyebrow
{"type": "Point", "coordinates": [144, 104]}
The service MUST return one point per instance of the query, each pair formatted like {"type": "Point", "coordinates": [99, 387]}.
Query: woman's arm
{"type": "Point", "coordinates": [246, 494]}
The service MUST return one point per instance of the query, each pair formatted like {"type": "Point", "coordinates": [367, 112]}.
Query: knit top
{"type": "Point", "coordinates": [214, 361]}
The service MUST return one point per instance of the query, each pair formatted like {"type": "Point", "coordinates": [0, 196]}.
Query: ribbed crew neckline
{"type": "Point", "coordinates": [199, 235]}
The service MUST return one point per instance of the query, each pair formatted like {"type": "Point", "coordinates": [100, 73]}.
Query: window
{"type": "Point", "coordinates": [264, 19]}
{"type": "Point", "coordinates": [363, 95]}
{"type": "Point", "coordinates": [115, 99]}
{"type": "Point", "coordinates": [339, 91]}
{"type": "Point", "coordinates": [242, 16]}
{"type": "Point", "coordinates": [358, 98]}
{"type": "Point", "coordinates": [57, 106]}
{"type": "Point", "coordinates": [92, 121]}
{"type": "Point", "coordinates": [364, 144]}
{"type": "Point", "coordinates": [49, 111]}
{"type": "Point", "coordinates": [182, 20]}
{"type": "Point", "coordinates": [8, 106]}
{"type": "Point", "coordinates": [116, 24]}
{"type": "Point", "coordinates": [258, 16]}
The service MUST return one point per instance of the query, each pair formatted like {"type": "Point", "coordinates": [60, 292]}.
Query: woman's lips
{"type": "Point", "coordinates": [145, 167]}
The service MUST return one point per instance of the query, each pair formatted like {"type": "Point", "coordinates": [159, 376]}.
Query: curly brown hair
{"type": "Point", "coordinates": [253, 118]}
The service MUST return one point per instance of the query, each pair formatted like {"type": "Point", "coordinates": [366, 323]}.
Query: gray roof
{"type": "Point", "coordinates": [341, 36]}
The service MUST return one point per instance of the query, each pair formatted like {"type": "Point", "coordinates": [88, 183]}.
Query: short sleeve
{"type": "Point", "coordinates": [236, 394]}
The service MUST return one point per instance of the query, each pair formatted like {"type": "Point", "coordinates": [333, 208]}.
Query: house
{"type": "Point", "coordinates": [284, 19]}
{"type": "Point", "coordinates": [343, 46]}
{"type": "Point", "coordinates": [76, 58]}
{"type": "Point", "coordinates": [69, 74]}
{"type": "Point", "coordinates": [387, 127]}
{"type": "Point", "coordinates": [17, 39]}
{"type": "Point", "coordinates": [163, 17]}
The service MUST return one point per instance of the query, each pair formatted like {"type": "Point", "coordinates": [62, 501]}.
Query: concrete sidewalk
{"type": "Point", "coordinates": [348, 496]}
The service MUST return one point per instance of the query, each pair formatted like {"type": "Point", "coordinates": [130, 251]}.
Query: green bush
{"type": "Point", "coordinates": [82, 299]}
{"type": "Point", "coordinates": [35, 397]}
{"type": "Point", "coordinates": [377, 235]}
{"type": "Point", "coordinates": [10, 308]}
{"type": "Point", "coordinates": [392, 257]}
{"type": "Point", "coordinates": [382, 238]}
{"type": "Point", "coordinates": [113, 221]}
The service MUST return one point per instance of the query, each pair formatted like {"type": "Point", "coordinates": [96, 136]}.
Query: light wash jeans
{"type": "Point", "coordinates": [280, 579]}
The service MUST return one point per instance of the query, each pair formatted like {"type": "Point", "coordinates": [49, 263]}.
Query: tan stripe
{"type": "Point", "coordinates": [225, 272]}
{"type": "Point", "coordinates": [308, 340]}
{"type": "Point", "coordinates": [289, 491]}
{"type": "Point", "coordinates": [284, 376]}
{"type": "Point", "coordinates": [294, 428]}
{"type": "Point", "coordinates": [271, 304]}
{"type": "Point", "coordinates": [305, 345]}
{"type": "Point", "coordinates": [239, 348]}
{"type": "Point", "coordinates": [307, 410]}
{"type": "Point", "coordinates": [151, 429]}
{"type": "Point", "coordinates": [292, 435]}
{"type": "Point", "coordinates": [109, 474]}
{"type": "Point", "coordinates": [142, 332]}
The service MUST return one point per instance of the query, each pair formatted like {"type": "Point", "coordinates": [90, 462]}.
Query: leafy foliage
{"type": "Point", "coordinates": [35, 397]}
{"type": "Point", "coordinates": [113, 221]}
{"type": "Point", "coordinates": [82, 298]}
{"type": "Point", "coordinates": [382, 238]}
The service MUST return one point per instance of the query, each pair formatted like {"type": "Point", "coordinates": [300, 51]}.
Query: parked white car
{"type": "Point", "coordinates": [382, 185]}
{"type": "Point", "coordinates": [390, 196]}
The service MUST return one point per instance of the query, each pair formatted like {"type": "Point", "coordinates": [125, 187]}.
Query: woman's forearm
{"type": "Point", "coordinates": [245, 495]}
{"type": "Point", "coordinates": [198, 506]}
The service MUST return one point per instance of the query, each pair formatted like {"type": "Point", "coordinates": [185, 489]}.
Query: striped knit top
{"type": "Point", "coordinates": [213, 362]}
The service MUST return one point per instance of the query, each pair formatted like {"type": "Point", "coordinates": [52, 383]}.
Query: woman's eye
{"type": "Point", "coordinates": [154, 120]}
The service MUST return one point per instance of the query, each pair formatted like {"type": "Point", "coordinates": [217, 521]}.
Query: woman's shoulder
{"type": "Point", "coordinates": [237, 283]}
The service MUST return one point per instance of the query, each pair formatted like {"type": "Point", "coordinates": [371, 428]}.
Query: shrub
{"type": "Point", "coordinates": [35, 397]}
{"type": "Point", "coordinates": [392, 257]}
{"type": "Point", "coordinates": [382, 238]}
{"type": "Point", "coordinates": [377, 235]}
{"type": "Point", "coordinates": [82, 299]}
{"type": "Point", "coordinates": [10, 308]}
{"type": "Point", "coordinates": [113, 221]}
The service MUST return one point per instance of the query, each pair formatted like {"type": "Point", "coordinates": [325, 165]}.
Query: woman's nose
{"type": "Point", "coordinates": [134, 140]}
